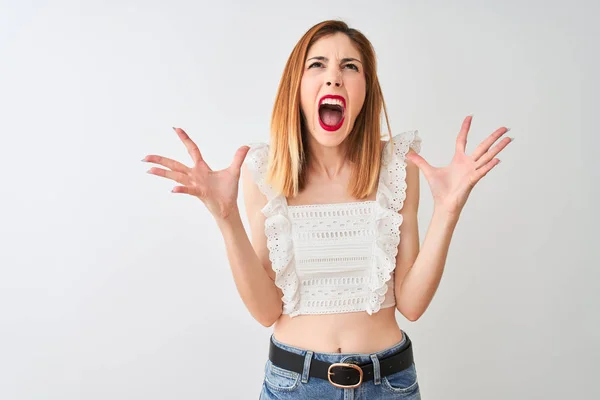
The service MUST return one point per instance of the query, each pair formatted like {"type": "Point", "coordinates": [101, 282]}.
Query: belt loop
{"type": "Point", "coordinates": [376, 369]}
{"type": "Point", "coordinates": [306, 370]}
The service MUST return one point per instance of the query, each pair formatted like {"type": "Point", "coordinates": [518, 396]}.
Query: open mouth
{"type": "Point", "coordinates": [332, 110]}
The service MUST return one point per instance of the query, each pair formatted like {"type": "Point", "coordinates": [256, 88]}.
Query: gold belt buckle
{"type": "Point", "coordinates": [349, 365]}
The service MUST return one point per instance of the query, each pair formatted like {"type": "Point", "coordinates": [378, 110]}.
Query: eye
{"type": "Point", "coordinates": [352, 66]}
{"type": "Point", "coordinates": [315, 64]}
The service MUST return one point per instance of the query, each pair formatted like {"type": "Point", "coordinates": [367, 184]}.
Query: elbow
{"type": "Point", "coordinates": [266, 322]}
{"type": "Point", "coordinates": [268, 319]}
{"type": "Point", "coordinates": [410, 315]}
{"type": "Point", "coordinates": [267, 316]}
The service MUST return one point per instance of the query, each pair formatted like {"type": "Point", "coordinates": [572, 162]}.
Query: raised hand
{"type": "Point", "coordinates": [452, 184]}
{"type": "Point", "coordinates": [218, 190]}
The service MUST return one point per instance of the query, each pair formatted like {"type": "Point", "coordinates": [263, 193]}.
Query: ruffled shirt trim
{"type": "Point", "coordinates": [278, 230]}
{"type": "Point", "coordinates": [390, 197]}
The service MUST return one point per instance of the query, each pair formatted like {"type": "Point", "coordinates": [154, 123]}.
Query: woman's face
{"type": "Point", "coordinates": [333, 89]}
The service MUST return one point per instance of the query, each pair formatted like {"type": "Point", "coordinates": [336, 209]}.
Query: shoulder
{"type": "Point", "coordinates": [257, 157]}
{"type": "Point", "coordinates": [399, 173]}
{"type": "Point", "coordinates": [256, 162]}
{"type": "Point", "coordinates": [254, 170]}
{"type": "Point", "coordinates": [403, 142]}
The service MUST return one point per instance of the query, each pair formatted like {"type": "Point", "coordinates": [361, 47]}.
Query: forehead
{"type": "Point", "coordinates": [337, 45]}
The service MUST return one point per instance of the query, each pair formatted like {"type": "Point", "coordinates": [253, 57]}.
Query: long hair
{"type": "Point", "coordinates": [287, 155]}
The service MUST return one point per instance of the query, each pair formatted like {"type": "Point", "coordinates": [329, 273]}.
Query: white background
{"type": "Point", "coordinates": [112, 287]}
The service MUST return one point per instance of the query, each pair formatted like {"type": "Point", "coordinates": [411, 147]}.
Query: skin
{"type": "Point", "coordinates": [418, 268]}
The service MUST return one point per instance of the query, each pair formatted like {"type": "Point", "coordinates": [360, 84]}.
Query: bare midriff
{"type": "Point", "coordinates": [356, 332]}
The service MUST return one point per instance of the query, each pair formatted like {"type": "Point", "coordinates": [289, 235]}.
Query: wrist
{"type": "Point", "coordinates": [446, 216]}
{"type": "Point", "coordinates": [228, 220]}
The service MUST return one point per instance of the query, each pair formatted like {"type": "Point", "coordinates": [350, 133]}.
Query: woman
{"type": "Point", "coordinates": [327, 201]}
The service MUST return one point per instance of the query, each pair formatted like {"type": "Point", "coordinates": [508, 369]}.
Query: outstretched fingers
{"type": "Point", "coordinates": [482, 171]}
{"type": "Point", "coordinates": [461, 139]}
{"type": "Point", "coordinates": [173, 175]}
{"type": "Point", "coordinates": [493, 152]}
{"type": "Point", "coordinates": [484, 146]}
{"type": "Point", "coordinates": [166, 162]}
{"type": "Point", "coordinates": [419, 161]}
{"type": "Point", "coordinates": [184, 189]}
{"type": "Point", "coordinates": [238, 159]}
{"type": "Point", "coordinates": [191, 147]}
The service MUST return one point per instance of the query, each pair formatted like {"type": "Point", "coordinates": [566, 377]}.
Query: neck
{"type": "Point", "coordinates": [326, 161]}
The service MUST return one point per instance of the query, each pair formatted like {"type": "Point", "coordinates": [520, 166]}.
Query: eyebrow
{"type": "Point", "coordinates": [321, 58]}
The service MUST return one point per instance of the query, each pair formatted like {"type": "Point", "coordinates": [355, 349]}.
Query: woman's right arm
{"type": "Point", "coordinates": [250, 265]}
{"type": "Point", "coordinates": [218, 190]}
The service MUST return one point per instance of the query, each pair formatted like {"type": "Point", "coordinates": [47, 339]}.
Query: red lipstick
{"type": "Point", "coordinates": [339, 124]}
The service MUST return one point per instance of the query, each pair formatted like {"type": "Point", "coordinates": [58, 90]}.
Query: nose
{"type": "Point", "coordinates": [334, 78]}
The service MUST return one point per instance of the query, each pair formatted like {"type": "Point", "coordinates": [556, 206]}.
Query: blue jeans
{"type": "Point", "coordinates": [283, 384]}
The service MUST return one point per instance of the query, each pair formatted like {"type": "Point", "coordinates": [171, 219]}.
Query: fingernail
{"type": "Point", "coordinates": [175, 129]}
{"type": "Point", "coordinates": [470, 115]}
{"type": "Point", "coordinates": [507, 129]}
{"type": "Point", "coordinates": [512, 139]}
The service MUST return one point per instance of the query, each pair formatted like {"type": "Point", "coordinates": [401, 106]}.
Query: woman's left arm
{"type": "Point", "coordinates": [419, 271]}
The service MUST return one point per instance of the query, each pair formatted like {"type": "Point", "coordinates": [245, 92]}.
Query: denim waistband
{"type": "Point", "coordinates": [344, 357]}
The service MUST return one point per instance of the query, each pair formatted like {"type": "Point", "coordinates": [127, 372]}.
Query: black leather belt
{"type": "Point", "coordinates": [343, 375]}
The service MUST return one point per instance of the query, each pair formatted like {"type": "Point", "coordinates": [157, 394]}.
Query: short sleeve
{"type": "Point", "coordinates": [257, 161]}
{"type": "Point", "coordinates": [393, 173]}
{"type": "Point", "coordinates": [278, 230]}
{"type": "Point", "coordinates": [391, 193]}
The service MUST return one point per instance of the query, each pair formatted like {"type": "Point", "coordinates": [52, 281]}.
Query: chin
{"type": "Point", "coordinates": [330, 138]}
